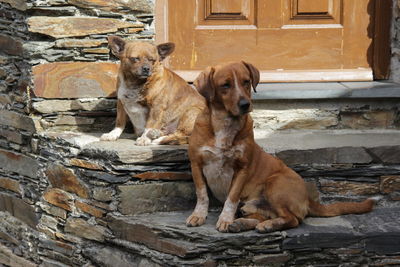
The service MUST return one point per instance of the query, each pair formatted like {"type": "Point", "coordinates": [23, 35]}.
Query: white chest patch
{"type": "Point", "coordinates": [137, 113]}
{"type": "Point", "coordinates": [218, 168]}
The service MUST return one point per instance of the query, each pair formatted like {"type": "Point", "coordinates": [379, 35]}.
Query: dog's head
{"type": "Point", "coordinates": [228, 86]}
{"type": "Point", "coordinates": [139, 58]}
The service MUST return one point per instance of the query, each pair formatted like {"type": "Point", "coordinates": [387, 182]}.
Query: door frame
{"type": "Point", "coordinates": [379, 30]}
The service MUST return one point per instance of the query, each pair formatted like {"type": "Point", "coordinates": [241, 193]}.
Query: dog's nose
{"type": "Point", "coordinates": [145, 69]}
{"type": "Point", "coordinates": [244, 105]}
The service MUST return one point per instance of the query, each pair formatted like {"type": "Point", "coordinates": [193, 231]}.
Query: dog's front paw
{"type": "Point", "coordinates": [195, 220]}
{"type": "Point", "coordinates": [223, 223]}
{"type": "Point", "coordinates": [143, 141]}
{"type": "Point", "coordinates": [109, 137]}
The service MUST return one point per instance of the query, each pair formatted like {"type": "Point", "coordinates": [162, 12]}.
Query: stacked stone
{"type": "Point", "coordinates": [395, 62]}
{"type": "Point", "coordinates": [73, 72]}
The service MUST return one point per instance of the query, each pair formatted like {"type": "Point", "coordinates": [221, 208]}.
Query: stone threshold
{"type": "Point", "coordinates": [327, 90]}
{"type": "Point", "coordinates": [166, 237]}
{"type": "Point", "coordinates": [293, 146]}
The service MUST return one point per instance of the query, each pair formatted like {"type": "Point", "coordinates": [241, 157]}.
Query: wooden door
{"type": "Point", "coordinates": [288, 40]}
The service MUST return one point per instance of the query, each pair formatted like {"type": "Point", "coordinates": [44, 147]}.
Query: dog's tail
{"type": "Point", "coordinates": [319, 210]}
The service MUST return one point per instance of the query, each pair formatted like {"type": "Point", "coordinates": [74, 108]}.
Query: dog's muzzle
{"type": "Point", "coordinates": [244, 105]}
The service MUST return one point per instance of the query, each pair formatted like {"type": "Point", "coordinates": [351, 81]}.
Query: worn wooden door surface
{"type": "Point", "coordinates": [288, 40]}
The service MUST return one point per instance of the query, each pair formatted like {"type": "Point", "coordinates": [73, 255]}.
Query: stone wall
{"type": "Point", "coordinates": [64, 196]}
{"type": "Point", "coordinates": [395, 62]}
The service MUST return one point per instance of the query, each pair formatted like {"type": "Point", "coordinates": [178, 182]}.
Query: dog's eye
{"type": "Point", "coordinates": [134, 59]}
{"type": "Point", "coordinates": [246, 82]}
{"type": "Point", "coordinates": [226, 85]}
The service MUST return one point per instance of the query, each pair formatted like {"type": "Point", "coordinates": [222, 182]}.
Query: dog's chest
{"type": "Point", "coordinates": [218, 167]}
{"type": "Point", "coordinates": [130, 99]}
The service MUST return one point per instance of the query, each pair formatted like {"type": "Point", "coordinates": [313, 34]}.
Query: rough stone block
{"type": "Point", "coordinates": [85, 164]}
{"type": "Point", "coordinates": [49, 221]}
{"type": "Point", "coordinates": [63, 178]}
{"type": "Point", "coordinates": [96, 50]}
{"type": "Point", "coordinates": [70, 43]}
{"type": "Point", "coordinates": [10, 45]}
{"type": "Point", "coordinates": [89, 209]}
{"type": "Point", "coordinates": [103, 193]}
{"type": "Point", "coordinates": [18, 163]}
{"type": "Point", "coordinates": [52, 210]}
{"type": "Point", "coordinates": [55, 245]}
{"type": "Point", "coordinates": [154, 231]}
{"type": "Point", "coordinates": [386, 154]}
{"type": "Point", "coordinates": [8, 258]}
{"type": "Point", "coordinates": [73, 120]}
{"type": "Point", "coordinates": [171, 176]}
{"type": "Point", "coordinates": [125, 151]}
{"type": "Point", "coordinates": [110, 257]}
{"type": "Point", "coordinates": [59, 198]}
{"type": "Point", "coordinates": [377, 231]}
{"type": "Point", "coordinates": [390, 184]}
{"type": "Point", "coordinates": [325, 156]}
{"type": "Point", "coordinates": [144, 6]}
{"type": "Point", "coordinates": [17, 120]}
{"type": "Point", "coordinates": [4, 99]}
{"type": "Point", "coordinates": [54, 106]}
{"type": "Point", "coordinates": [372, 119]}
{"type": "Point", "coordinates": [75, 79]}
{"type": "Point", "coordinates": [13, 136]}
{"type": "Point", "coordinates": [19, 209]}
{"type": "Point", "coordinates": [293, 119]}
{"type": "Point", "coordinates": [10, 184]}
{"type": "Point", "coordinates": [143, 198]}
{"type": "Point", "coordinates": [60, 27]}
{"type": "Point", "coordinates": [83, 229]}
{"type": "Point", "coordinates": [328, 186]}
{"type": "Point", "coordinates": [280, 258]}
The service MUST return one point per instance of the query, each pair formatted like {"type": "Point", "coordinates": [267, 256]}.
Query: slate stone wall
{"type": "Point", "coordinates": [395, 62]}
{"type": "Point", "coordinates": [59, 198]}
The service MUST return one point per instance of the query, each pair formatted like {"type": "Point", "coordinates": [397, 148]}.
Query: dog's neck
{"type": "Point", "coordinates": [225, 127]}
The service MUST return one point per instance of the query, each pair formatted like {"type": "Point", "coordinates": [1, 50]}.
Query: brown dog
{"type": "Point", "coordinates": [224, 155]}
{"type": "Point", "coordinates": [161, 105]}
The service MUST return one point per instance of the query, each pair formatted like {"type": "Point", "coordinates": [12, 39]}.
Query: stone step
{"type": "Point", "coordinates": [368, 145]}
{"type": "Point", "coordinates": [344, 165]}
{"type": "Point", "coordinates": [349, 239]}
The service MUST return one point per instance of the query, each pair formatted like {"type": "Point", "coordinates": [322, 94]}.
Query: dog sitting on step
{"type": "Point", "coordinates": [161, 105]}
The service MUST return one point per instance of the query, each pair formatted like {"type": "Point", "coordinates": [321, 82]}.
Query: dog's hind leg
{"type": "Point", "coordinates": [246, 223]}
{"type": "Point", "coordinates": [284, 220]}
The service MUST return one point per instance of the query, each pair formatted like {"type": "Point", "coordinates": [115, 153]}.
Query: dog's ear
{"type": "Point", "coordinates": [204, 84]}
{"type": "Point", "coordinates": [165, 50]}
{"type": "Point", "coordinates": [117, 45]}
{"type": "Point", "coordinates": [254, 73]}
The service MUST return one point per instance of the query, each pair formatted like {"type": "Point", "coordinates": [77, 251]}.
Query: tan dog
{"type": "Point", "coordinates": [161, 105]}
{"type": "Point", "coordinates": [224, 155]}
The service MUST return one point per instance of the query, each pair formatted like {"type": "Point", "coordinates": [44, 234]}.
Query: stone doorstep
{"type": "Point", "coordinates": [327, 90]}
{"type": "Point", "coordinates": [166, 232]}
{"type": "Point", "coordinates": [294, 147]}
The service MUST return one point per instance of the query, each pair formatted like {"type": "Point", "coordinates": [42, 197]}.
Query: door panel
{"type": "Point", "coordinates": [313, 11]}
{"type": "Point", "coordinates": [277, 36]}
{"type": "Point", "coordinates": [226, 12]}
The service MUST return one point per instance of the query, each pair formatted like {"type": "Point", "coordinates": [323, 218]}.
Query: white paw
{"type": "Point", "coordinates": [143, 141]}
{"type": "Point", "coordinates": [223, 222]}
{"type": "Point", "coordinates": [113, 135]}
{"type": "Point", "coordinates": [109, 137]}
